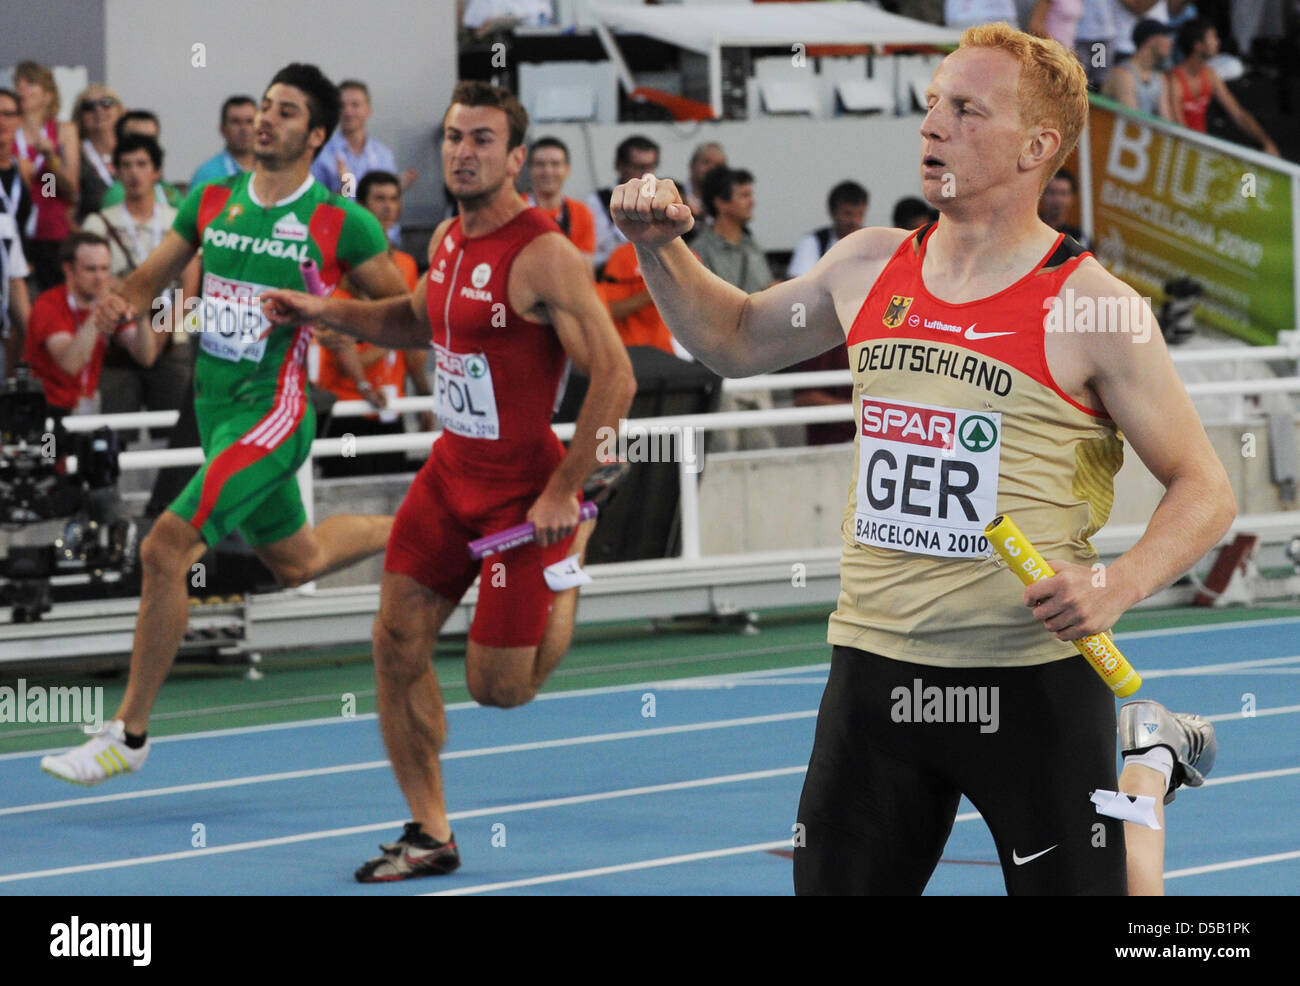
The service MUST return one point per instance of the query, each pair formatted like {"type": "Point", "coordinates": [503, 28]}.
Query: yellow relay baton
{"type": "Point", "coordinates": [1030, 567]}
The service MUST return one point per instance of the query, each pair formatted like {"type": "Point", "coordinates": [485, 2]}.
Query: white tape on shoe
{"type": "Point", "coordinates": [1127, 807]}
{"type": "Point", "coordinates": [565, 574]}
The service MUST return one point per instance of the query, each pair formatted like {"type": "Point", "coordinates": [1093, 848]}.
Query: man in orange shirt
{"type": "Point", "coordinates": [359, 371]}
{"type": "Point", "coordinates": [624, 292]}
{"type": "Point", "coordinates": [548, 170]}
{"type": "Point", "coordinates": [64, 347]}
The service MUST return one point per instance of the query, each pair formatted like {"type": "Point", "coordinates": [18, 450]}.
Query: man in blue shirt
{"type": "Point", "coordinates": [351, 151]}
{"type": "Point", "coordinates": [237, 114]}
{"type": "Point", "coordinates": [347, 156]}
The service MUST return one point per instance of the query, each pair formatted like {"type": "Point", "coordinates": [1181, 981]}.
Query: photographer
{"type": "Point", "coordinates": [64, 348]}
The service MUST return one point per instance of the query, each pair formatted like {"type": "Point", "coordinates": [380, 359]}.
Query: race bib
{"type": "Point", "coordinates": [231, 323]}
{"type": "Point", "coordinates": [463, 398]}
{"type": "Point", "coordinates": [927, 478]}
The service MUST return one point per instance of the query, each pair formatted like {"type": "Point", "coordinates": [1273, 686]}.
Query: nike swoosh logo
{"type": "Point", "coordinates": [1022, 860]}
{"type": "Point", "coordinates": [973, 335]}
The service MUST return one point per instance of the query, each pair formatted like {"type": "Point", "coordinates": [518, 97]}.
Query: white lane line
{"type": "Point", "coordinates": [1257, 775]}
{"type": "Point", "coordinates": [451, 707]}
{"type": "Point", "coordinates": [630, 792]}
{"type": "Point", "coordinates": [1220, 668]}
{"type": "Point", "coordinates": [669, 684]}
{"type": "Point", "coordinates": [1281, 710]}
{"type": "Point", "coordinates": [1234, 864]}
{"type": "Point", "coordinates": [645, 864]}
{"type": "Point", "coordinates": [1275, 621]}
{"type": "Point", "coordinates": [445, 684]}
{"type": "Point", "coordinates": [482, 751]}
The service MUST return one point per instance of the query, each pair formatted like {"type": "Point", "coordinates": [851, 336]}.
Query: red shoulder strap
{"type": "Point", "coordinates": [325, 228]}
{"type": "Point", "coordinates": [214, 199]}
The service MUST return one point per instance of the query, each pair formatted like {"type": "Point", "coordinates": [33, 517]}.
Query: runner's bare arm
{"type": "Point", "coordinates": [734, 333]}
{"type": "Point", "coordinates": [1240, 116]}
{"type": "Point", "coordinates": [1131, 372]}
{"type": "Point", "coordinates": [552, 273]}
{"type": "Point", "coordinates": [136, 294]}
{"type": "Point", "coordinates": [398, 320]}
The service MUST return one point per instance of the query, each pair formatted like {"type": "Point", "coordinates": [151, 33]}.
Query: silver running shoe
{"type": "Point", "coordinates": [1146, 724]}
{"type": "Point", "coordinates": [102, 756]}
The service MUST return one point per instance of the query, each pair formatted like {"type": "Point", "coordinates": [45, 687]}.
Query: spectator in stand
{"type": "Point", "coordinates": [237, 114]}
{"type": "Point", "coordinates": [63, 346]}
{"type": "Point", "coordinates": [704, 159]}
{"type": "Point", "coordinates": [624, 292]}
{"type": "Point", "coordinates": [1057, 201]}
{"type": "Point", "coordinates": [634, 157]}
{"type": "Point", "coordinates": [1194, 84]}
{"type": "Point", "coordinates": [14, 208]}
{"type": "Point", "coordinates": [352, 151]}
{"type": "Point", "coordinates": [1125, 14]}
{"type": "Point", "coordinates": [1058, 19]}
{"type": "Point", "coordinates": [847, 206]}
{"type": "Point", "coordinates": [133, 229]}
{"type": "Point", "coordinates": [913, 213]}
{"type": "Point", "coordinates": [49, 157]}
{"type": "Point", "coordinates": [1139, 82]}
{"type": "Point", "coordinates": [145, 124]}
{"type": "Point", "coordinates": [97, 112]}
{"type": "Point", "coordinates": [1105, 32]}
{"type": "Point", "coordinates": [355, 371]}
{"type": "Point", "coordinates": [726, 247]}
{"type": "Point", "coordinates": [548, 170]}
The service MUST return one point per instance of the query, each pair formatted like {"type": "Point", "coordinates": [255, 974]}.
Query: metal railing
{"type": "Point", "coordinates": [701, 424]}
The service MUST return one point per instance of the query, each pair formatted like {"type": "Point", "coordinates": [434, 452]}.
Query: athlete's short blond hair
{"type": "Point", "coordinates": [1053, 88]}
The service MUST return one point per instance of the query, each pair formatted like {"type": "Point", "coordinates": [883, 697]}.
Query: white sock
{"type": "Point", "coordinates": [1157, 758]}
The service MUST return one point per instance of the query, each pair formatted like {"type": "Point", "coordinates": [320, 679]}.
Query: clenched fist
{"type": "Point", "coordinates": [650, 212]}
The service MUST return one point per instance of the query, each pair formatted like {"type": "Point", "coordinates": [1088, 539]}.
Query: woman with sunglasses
{"type": "Point", "coordinates": [98, 109]}
{"type": "Point", "coordinates": [50, 157]}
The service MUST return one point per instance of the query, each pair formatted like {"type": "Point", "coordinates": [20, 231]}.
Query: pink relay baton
{"type": "Point", "coordinates": [311, 278]}
{"type": "Point", "coordinates": [513, 537]}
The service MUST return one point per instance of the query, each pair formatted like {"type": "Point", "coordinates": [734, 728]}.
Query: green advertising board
{"type": "Point", "coordinates": [1167, 203]}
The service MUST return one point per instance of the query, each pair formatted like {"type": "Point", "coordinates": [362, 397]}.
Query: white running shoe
{"type": "Point", "coordinates": [102, 756]}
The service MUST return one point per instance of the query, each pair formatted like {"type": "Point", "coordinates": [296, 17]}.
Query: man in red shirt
{"type": "Point", "coordinates": [64, 348]}
{"type": "Point", "coordinates": [1194, 84]}
{"type": "Point", "coordinates": [506, 304]}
